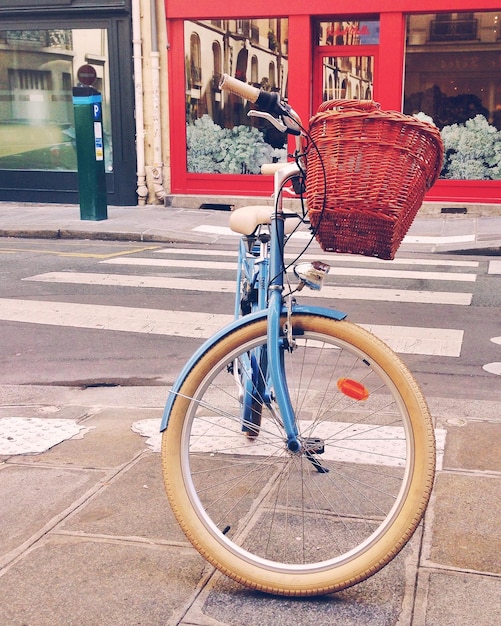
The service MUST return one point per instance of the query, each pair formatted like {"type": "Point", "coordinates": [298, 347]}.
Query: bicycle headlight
{"type": "Point", "coordinates": [311, 274]}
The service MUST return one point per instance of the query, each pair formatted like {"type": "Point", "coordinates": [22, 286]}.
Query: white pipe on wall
{"type": "Point", "coordinates": [142, 189]}
{"type": "Point", "coordinates": [157, 169]}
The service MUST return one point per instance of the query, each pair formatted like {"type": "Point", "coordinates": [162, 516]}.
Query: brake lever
{"type": "Point", "coordinates": [279, 125]}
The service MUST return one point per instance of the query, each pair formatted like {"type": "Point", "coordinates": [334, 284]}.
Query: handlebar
{"type": "Point", "coordinates": [266, 101]}
{"type": "Point", "coordinates": [244, 90]}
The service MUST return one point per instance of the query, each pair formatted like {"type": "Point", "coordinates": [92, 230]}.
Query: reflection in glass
{"type": "Point", "coordinates": [221, 138]}
{"type": "Point", "coordinates": [453, 77]}
{"type": "Point", "coordinates": [348, 77]}
{"type": "Point", "coordinates": [38, 69]}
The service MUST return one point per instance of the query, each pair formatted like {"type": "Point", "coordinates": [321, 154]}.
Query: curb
{"type": "Point", "coordinates": [95, 235]}
{"type": "Point", "coordinates": [480, 248]}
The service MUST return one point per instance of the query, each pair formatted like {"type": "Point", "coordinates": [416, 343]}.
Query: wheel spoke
{"type": "Point", "coordinates": [364, 444]}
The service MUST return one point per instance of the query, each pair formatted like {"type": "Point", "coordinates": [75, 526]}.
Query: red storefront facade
{"type": "Point", "coordinates": [443, 60]}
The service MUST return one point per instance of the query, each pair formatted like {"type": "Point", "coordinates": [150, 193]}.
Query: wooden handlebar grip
{"type": "Point", "coordinates": [239, 88]}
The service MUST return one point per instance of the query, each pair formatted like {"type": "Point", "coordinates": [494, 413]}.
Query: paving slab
{"type": "Point", "coordinates": [35, 498]}
{"type": "Point", "coordinates": [457, 411]}
{"type": "Point", "coordinates": [385, 598]}
{"type": "Point", "coordinates": [457, 599]}
{"type": "Point", "coordinates": [47, 410]}
{"type": "Point", "coordinates": [133, 504]}
{"type": "Point", "coordinates": [89, 582]}
{"type": "Point", "coordinates": [465, 535]}
{"type": "Point", "coordinates": [488, 228]}
{"type": "Point", "coordinates": [474, 446]}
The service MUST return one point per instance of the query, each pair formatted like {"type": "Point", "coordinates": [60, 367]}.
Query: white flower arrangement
{"type": "Point", "coordinates": [238, 150]}
{"type": "Point", "coordinates": [472, 150]}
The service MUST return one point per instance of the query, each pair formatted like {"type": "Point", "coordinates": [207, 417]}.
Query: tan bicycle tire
{"type": "Point", "coordinates": [297, 582]}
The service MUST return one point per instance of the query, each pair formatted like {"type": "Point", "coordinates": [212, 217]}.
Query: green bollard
{"type": "Point", "coordinates": [87, 106]}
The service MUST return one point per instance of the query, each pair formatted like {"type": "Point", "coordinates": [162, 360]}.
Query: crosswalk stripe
{"type": "Point", "coordinates": [337, 271]}
{"type": "Point", "coordinates": [332, 258]}
{"type": "Point", "coordinates": [218, 286]}
{"type": "Point", "coordinates": [145, 262]}
{"type": "Point", "coordinates": [104, 317]}
{"type": "Point", "coordinates": [426, 239]}
{"type": "Point", "coordinates": [414, 239]}
{"type": "Point", "coordinates": [429, 341]}
{"type": "Point", "coordinates": [135, 280]}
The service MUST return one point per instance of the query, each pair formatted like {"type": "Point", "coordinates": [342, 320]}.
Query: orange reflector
{"type": "Point", "coordinates": [352, 389]}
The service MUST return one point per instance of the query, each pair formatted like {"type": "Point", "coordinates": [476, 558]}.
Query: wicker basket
{"type": "Point", "coordinates": [367, 172]}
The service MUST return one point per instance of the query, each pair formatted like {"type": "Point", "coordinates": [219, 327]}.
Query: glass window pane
{"type": "Point", "coordinates": [352, 33]}
{"type": "Point", "coordinates": [348, 77]}
{"type": "Point", "coordinates": [221, 138]}
{"type": "Point", "coordinates": [453, 76]}
{"type": "Point", "coordinates": [38, 69]}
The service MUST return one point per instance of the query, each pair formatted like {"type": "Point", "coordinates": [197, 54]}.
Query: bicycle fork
{"type": "Point", "coordinates": [276, 344]}
{"type": "Point", "coordinates": [279, 340]}
{"type": "Point", "coordinates": [276, 341]}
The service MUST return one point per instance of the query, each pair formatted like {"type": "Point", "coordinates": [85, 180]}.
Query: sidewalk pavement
{"type": "Point", "coordinates": [432, 230]}
{"type": "Point", "coordinates": [86, 534]}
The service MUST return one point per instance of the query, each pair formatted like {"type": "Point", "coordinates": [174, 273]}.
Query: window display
{"type": "Point", "coordinates": [38, 69]}
{"type": "Point", "coordinates": [453, 77]}
{"type": "Point", "coordinates": [221, 138]}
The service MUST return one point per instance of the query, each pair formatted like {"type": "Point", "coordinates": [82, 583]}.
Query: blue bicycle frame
{"type": "Point", "coordinates": [264, 277]}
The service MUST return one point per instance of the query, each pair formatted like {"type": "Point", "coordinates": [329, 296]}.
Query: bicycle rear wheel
{"type": "Point", "coordinates": [320, 520]}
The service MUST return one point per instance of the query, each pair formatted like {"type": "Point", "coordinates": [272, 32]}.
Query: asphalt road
{"type": "Point", "coordinates": [92, 313]}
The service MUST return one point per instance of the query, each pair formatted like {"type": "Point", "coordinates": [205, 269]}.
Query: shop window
{"type": "Point", "coordinates": [243, 27]}
{"type": "Point", "coordinates": [195, 61]}
{"type": "Point", "coordinates": [221, 138]}
{"type": "Point", "coordinates": [453, 78]}
{"type": "Point", "coordinates": [242, 62]}
{"type": "Point", "coordinates": [347, 77]}
{"type": "Point", "coordinates": [38, 69]}
{"type": "Point", "coordinates": [254, 34]}
{"type": "Point", "coordinates": [216, 54]}
{"type": "Point", "coordinates": [271, 75]}
{"type": "Point", "coordinates": [453, 27]}
{"type": "Point", "coordinates": [254, 70]}
{"type": "Point", "coordinates": [345, 54]}
{"type": "Point", "coordinates": [30, 80]}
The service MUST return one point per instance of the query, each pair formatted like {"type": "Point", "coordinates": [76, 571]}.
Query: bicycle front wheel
{"type": "Point", "coordinates": [328, 516]}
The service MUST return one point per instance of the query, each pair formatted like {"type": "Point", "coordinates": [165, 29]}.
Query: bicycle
{"type": "Point", "coordinates": [298, 450]}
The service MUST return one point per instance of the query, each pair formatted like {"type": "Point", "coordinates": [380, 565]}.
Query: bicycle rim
{"type": "Point", "coordinates": [321, 520]}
